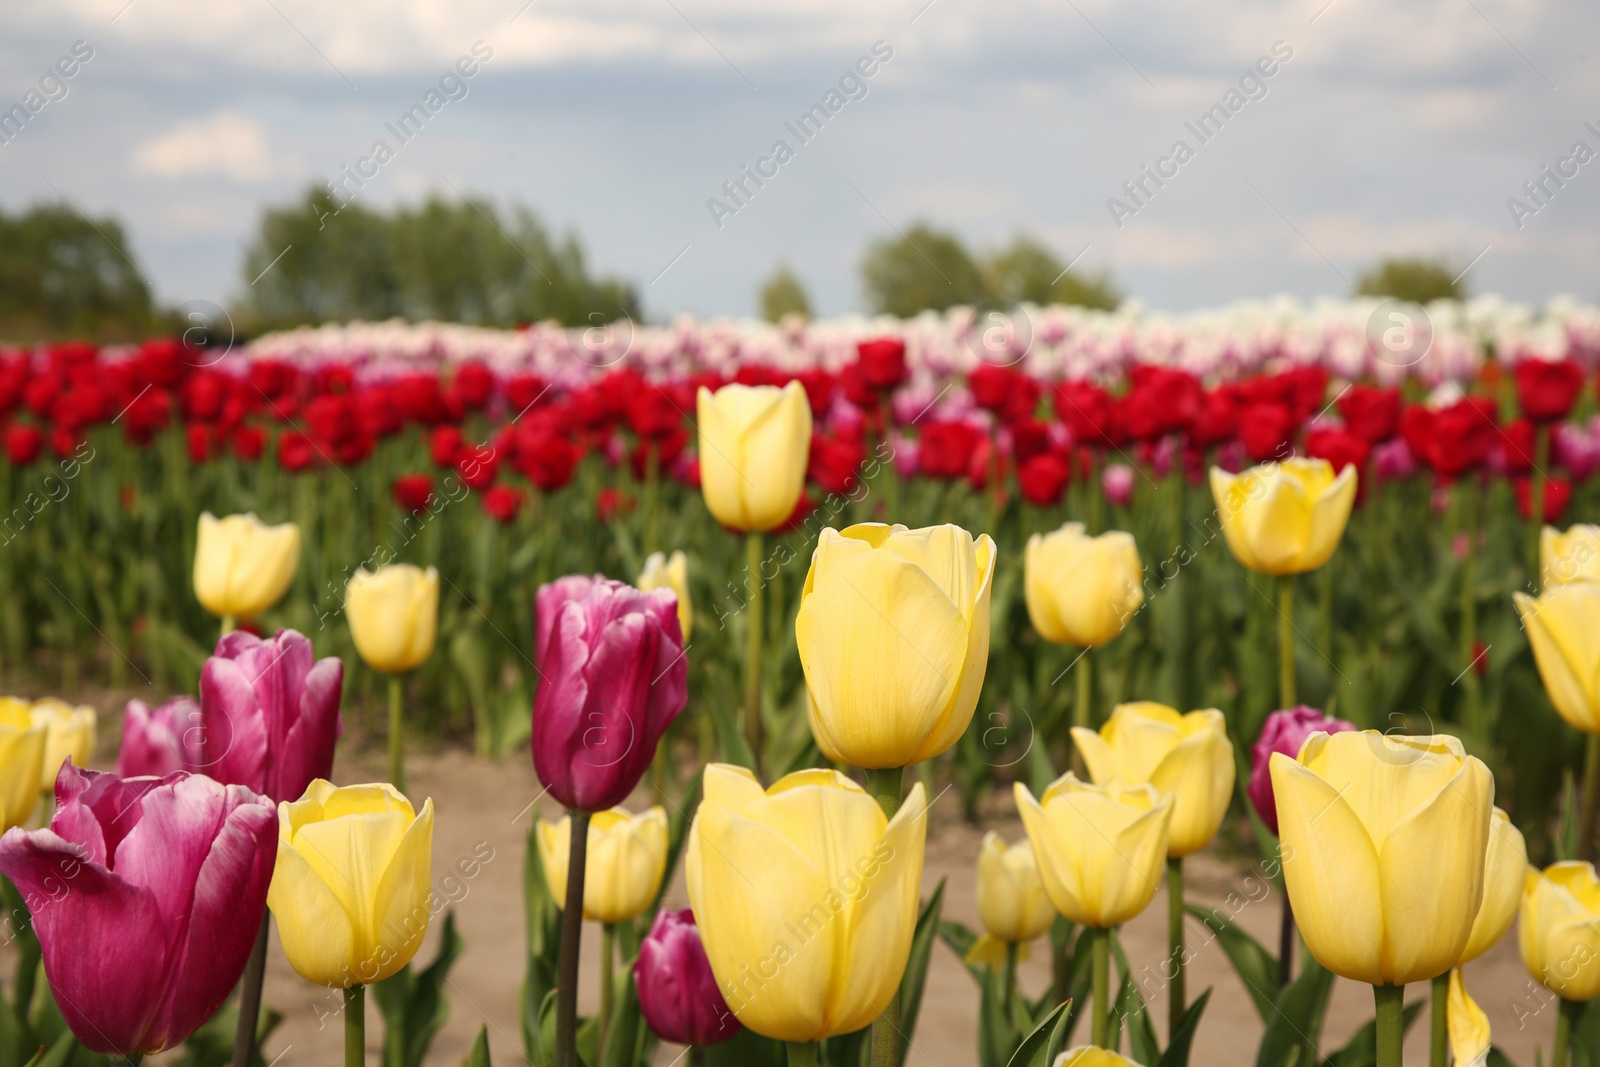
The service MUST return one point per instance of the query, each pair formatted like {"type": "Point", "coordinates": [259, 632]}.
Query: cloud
{"type": "Point", "coordinates": [224, 143]}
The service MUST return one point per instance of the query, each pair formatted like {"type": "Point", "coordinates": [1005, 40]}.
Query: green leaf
{"type": "Point", "coordinates": [413, 1004]}
{"type": "Point", "coordinates": [1297, 1015]}
{"type": "Point", "coordinates": [17, 1043]}
{"type": "Point", "coordinates": [1045, 1043]}
{"type": "Point", "coordinates": [59, 1054]}
{"type": "Point", "coordinates": [998, 1036]}
{"type": "Point", "coordinates": [545, 1050]}
{"type": "Point", "coordinates": [749, 1049]}
{"type": "Point", "coordinates": [1129, 1007]}
{"type": "Point", "coordinates": [1257, 968]}
{"type": "Point", "coordinates": [1040, 772]}
{"type": "Point", "coordinates": [960, 938]}
{"type": "Point", "coordinates": [479, 1056]}
{"type": "Point", "coordinates": [1177, 1054]}
{"type": "Point", "coordinates": [1566, 840]}
{"type": "Point", "coordinates": [678, 834]}
{"type": "Point", "coordinates": [916, 972]}
{"type": "Point", "coordinates": [731, 742]}
{"type": "Point", "coordinates": [623, 1033]}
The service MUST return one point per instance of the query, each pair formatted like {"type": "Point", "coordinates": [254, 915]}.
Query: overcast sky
{"type": "Point", "coordinates": [1393, 126]}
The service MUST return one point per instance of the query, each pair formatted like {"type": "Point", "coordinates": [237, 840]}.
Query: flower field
{"type": "Point", "coordinates": [1308, 588]}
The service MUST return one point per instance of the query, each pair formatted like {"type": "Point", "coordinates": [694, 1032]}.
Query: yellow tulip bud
{"type": "Point", "coordinates": [1089, 1056]}
{"type": "Point", "coordinates": [69, 734]}
{"type": "Point", "coordinates": [1505, 872]}
{"type": "Point", "coordinates": [1285, 517]}
{"type": "Point", "coordinates": [242, 566]}
{"type": "Point", "coordinates": [1566, 647]}
{"type": "Point", "coordinates": [893, 632]}
{"type": "Point", "coordinates": [806, 898]}
{"type": "Point", "coordinates": [1467, 1024]}
{"type": "Point", "coordinates": [1101, 849]}
{"type": "Point", "coordinates": [350, 891]}
{"type": "Point", "coordinates": [22, 747]}
{"type": "Point", "coordinates": [1186, 757]}
{"type": "Point", "coordinates": [624, 865]}
{"type": "Point", "coordinates": [1011, 898]}
{"type": "Point", "coordinates": [1082, 590]}
{"type": "Point", "coordinates": [1573, 556]}
{"type": "Point", "coordinates": [670, 572]}
{"type": "Point", "coordinates": [394, 615]}
{"type": "Point", "coordinates": [1558, 929]}
{"type": "Point", "coordinates": [755, 442]}
{"type": "Point", "coordinates": [1384, 842]}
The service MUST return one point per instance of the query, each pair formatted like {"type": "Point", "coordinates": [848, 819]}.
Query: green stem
{"type": "Point", "coordinates": [1390, 1003]}
{"type": "Point", "coordinates": [1565, 1017]}
{"type": "Point", "coordinates": [607, 982]}
{"type": "Point", "coordinates": [1541, 460]}
{"type": "Point", "coordinates": [755, 626]}
{"type": "Point", "coordinates": [1091, 484]}
{"type": "Point", "coordinates": [1175, 947]}
{"type": "Point", "coordinates": [571, 936]}
{"type": "Point", "coordinates": [132, 1059]}
{"type": "Point", "coordinates": [1286, 697]}
{"type": "Point", "coordinates": [884, 783]}
{"type": "Point", "coordinates": [255, 969]}
{"type": "Point", "coordinates": [652, 493]}
{"type": "Point", "coordinates": [1473, 713]}
{"type": "Point", "coordinates": [1177, 593]}
{"type": "Point", "coordinates": [1082, 711]}
{"type": "Point", "coordinates": [1286, 939]}
{"type": "Point", "coordinates": [355, 1026]}
{"type": "Point", "coordinates": [802, 1054]}
{"type": "Point", "coordinates": [1591, 797]}
{"type": "Point", "coordinates": [1438, 1031]}
{"type": "Point", "coordinates": [228, 624]}
{"type": "Point", "coordinates": [397, 743]}
{"type": "Point", "coordinates": [1101, 965]}
{"type": "Point", "coordinates": [1011, 977]}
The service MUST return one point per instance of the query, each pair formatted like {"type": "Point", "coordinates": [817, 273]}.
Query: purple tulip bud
{"type": "Point", "coordinates": [158, 741]}
{"type": "Point", "coordinates": [612, 678]}
{"type": "Point", "coordinates": [1284, 731]}
{"type": "Point", "coordinates": [146, 894]}
{"type": "Point", "coordinates": [678, 995]}
{"type": "Point", "coordinates": [269, 715]}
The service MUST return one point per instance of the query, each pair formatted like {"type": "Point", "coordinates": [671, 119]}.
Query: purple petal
{"type": "Point", "coordinates": [306, 751]}
{"type": "Point", "coordinates": [558, 704]}
{"type": "Point", "coordinates": [231, 744]}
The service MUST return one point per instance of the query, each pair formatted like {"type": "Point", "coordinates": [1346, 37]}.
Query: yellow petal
{"type": "Point", "coordinates": [1505, 872]}
{"type": "Point", "coordinates": [1558, 929]}
{"type": "Point", "coordinates": [1468, 1025]}
{"type": "Point", "coordinates": [1573, 556]}
{"type": "Point", "coordinates": [401, 905]}
{"type": "Point", "coordinates": [626, 862]}
{"type": "Point", "coordinates": [1566, 648]}
{"type": "Point", "coordinates": [313, 925]}
{"type": "Point", "coordinates": [1198, 775]}
{"type": "Point", "coordinates": [394, 616]}
{"type": "Point", "coordinates": [243, 566]}
{"type": "Point", "coordinates": [1089, 1056]}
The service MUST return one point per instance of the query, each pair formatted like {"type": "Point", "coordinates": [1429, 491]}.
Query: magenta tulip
{"type": "Point", "coordinates": [158, 741]}
{"type": "Point", "coordinates": [613, 676]}
{"type": "Point", "coordinates": [146, 894]}
{"type": "Point", "coordinates": [678, 994]}
{"type": "Point", "coordinates": [269, 714]}
{"type": "Point", "coordinates": [1284, 731]}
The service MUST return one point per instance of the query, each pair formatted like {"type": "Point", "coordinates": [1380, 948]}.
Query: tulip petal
{"type": "Point", "coordinates": [232, 742]}
{"type": "Point", "coordinates": [1198, 775]}
{"type": "Point", "coordinates": [1566, 648]}
{"type": "Point", "coordinates": [317, 932]}
{"type": "Point", "coordinates": [1505, 872]}
{"type": "Point", "coordinates": [402, 901]}
{"type": "Point", "coordinates": [963, 702]}
{"type": "Point", "coordinates": [1467, 1024]}
{"type": "Point", "coordinates": [1098, 756]}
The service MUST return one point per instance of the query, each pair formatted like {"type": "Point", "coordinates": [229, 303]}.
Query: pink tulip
{"type": "Point", "coordinates": [146, 894]}
{"type": "Point", "coordinates": [269, 715]}
{"type": "Point", "coordinates": [678, 994]}
{"type": "Point", "coordinates": [158, 741]}
{"type": "Point", "coordinates": [1284, 731]}
{"type": "Point", "coordinates": [613, 677]}
{"type": "Point", "coordinates": [1117, 481]}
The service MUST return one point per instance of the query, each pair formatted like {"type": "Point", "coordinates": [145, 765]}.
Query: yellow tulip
{"type": "Point", "coordinates": [1011, 900]}
{"type": "Point", "coordinates": [893, 632]}
{"type": "Point", "coordinates": [1285, 517]}
{"type": "Point", "coordinates": [1089, 1056]}
{"type": "Point", "coordinates": [350, 890]}
{"type": "Point", "coordinates": [1505, 872]}
{"type": "Point", "coordinates": [1566, 647]}
{"type": "Point", "coordinates": [670, 572]}
{"type": "Point", "coordinates": [22, 747]}
{"type": "Point", "coordinates": [1187, 757]}
{"type": "Point", "coordinates": [242, 566]}
{"type": "Point", "coordinates": [1573, 556]}
{"type": "Point", "coordinates": [806, 898]}
{"type": "Point", "coordinates": [1558, 929]}
{"type": "Point", "coordinates": [394, 615]}
{"type": "Point", "coordinates": [1082, 590]}
{"type": "Point", "coordinates": [1467, 1024]}
{"type": "Point", "coordinates": [626, 860]}
{"type": "Point", "coordinates": [1101, 849]}
{"type": "Point", "coordinates": [1384, 841]}
{"type": "Point", "coordinates": [755, 442]}
{"type": "Point", "coordinates": [69, 734]}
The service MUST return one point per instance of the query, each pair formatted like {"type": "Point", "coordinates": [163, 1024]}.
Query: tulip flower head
{"type": "Point", "coordinates": [1101, 849]}
{"type": "Point", "coordinates": [754, 444]}
{"type": "Point", "coordinates": [1284, 731]}
{"type": "Point", "coordinates": [1186, 757]}
{"type": "Point", "coordinates": [158, 741]}
{"type": "Point", "coordinates": [1569, 556]}
{"type": "Point", "coordinates": [22, 747]}
{"type": "Point", "coordinates": [626, 860]}
{"type": "Point", "coordinates": [1285, 517]}
{"type": "Point", "coordinates": [1012, 904]}
{"type": "Point", "coordinates": [893, 632]}
{"type": "Point", "coordinates": [1379, 831]}
{"type": "Point", "coordinates": [69, 734]}
{"type": "Point", "coordinates": [1090, 1056]}
{"type": "Point", "coordinates": [678, 994]}
{"type": "Point", "coordinates": [670, 572]}
{"type": "Point", "coordinates": [1558, 931]}
{"type": "Point", "coordinates": [613, 678]}
{"type": "Point", "coordinates": [394, 615]}
{"type": "Point", "coordinates": [350, 892]}
{"type": "Point", "coordinates": [146, 894]}
{"type": "Point", "coordinates": [1566, 648]}
{"type": "Point", "coordinates": [242, 566]}
{"type": "Point", "coordinates": [806, 898]}
{"type": "Point", "coordinates": [1082, 590]}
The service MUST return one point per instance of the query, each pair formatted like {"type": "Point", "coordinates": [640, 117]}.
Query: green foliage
{"type": "Point", "coordinates": [1415, 279]}
{"type": "Point", "coordinates": [414, 1004]}
{"type": "Point", "coordinates": [63, 274]}
{"type": "Point", "coordinates": [920, 269]}
{"type": "Point", "coordinates": [1028, 272]}
{"type": "Point", "coordinates": [478, 1056]}
{"type": "Point", "coordinates": [461, 261]}
{"type": "Point", "coordinates": [782, 294]}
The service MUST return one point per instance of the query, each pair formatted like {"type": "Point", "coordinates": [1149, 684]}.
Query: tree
{"type": "Point", "coordinates": [1413, 279]}
{"type": "Point", "coordinates": [918, 270]}
{"type": "Point", "coordinates": [63, 274]}
{"type": "Point", "coordinates": [1028, 272]}
{"type": "Point", "coordinates": [783, 295]}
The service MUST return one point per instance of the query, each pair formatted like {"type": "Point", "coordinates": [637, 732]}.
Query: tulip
{"type": "Point", "coordinates": [893, 632]}
{"type": "Point", "coordinates": [145, 895]}
{"type": "Point", "coordinates": [22, 748]}
{"type": "Point", "coordinates": [1089, 1056]}
{"type": "Point", "coordinates": [1566, 647]}
{"type": "Point", "coordinates": [1570, 556]}
{"type": "Point", "coordinates": [754, 443]}
{"type": "Point", "coordinates": [1284, 731]}
{"type": "Point", "coordinates": [626, 860]}
{"type": "Point", "coordinates": [678, 994]}
{"type": "Point", "coordinates": [242, 566]}
{"type": "Point", "coordinates": [1011, 900]}
{"type": "Point", "coordinates": [1286, 517]}
{"type": "Point", "coordinates": [806, 897]}
{"type": "Point", "coordinates": [670, 572]}
{"type": "Point", "coordinates": [1558, 934]}
{"type": "Point", "coordinates": [394, 618]}
{"type": "Point", "coordinates": [69, 734]}
{"type": "Point", "coordinates": [1082, 590]}
{"type": "Point", "coordinates": [159, 741]}
{"type": "Point", "coordinates": [350, 891]}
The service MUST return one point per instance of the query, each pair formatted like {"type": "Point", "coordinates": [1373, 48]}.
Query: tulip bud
{"type": "Point", "coordinates": [22, 748]}
{"type": "Point", "coordinates": [806, 896]}
{"type": "Point", "coordinates": [1284, 731]}
{"type": "Point", "coordinates": [1285, 517]}
{"type": "Point", "coordinates": [146, 895]}
{"type": "Point", "coordinates": [159, 741]}
{"type": "Point", "coordinates": [1505, 872]}
{"type": "Point", "coordinates": [1186, 757]}
{"type": "Point", "coordinates": [754, 444]}
{"type": "Point", "coordinates": [627, 858]}
{"type": "Point", "coordinates": [1102, 849]}
{"type": "Point", "coordinates": [1011, 900]}
{"type": "Point", "coordinates": [350, 892]}
{"type": "Point", "coordinates": [664, 572]}
{"type": "Point", "coordinates": [1558, 929]}
{"type": "Point", "coordinates": [242, 566]}
{"type": "Point", "coordinates": [1089, 1056]}
{"type": "Point", "coordinates": [678, 994]}
{"type": "Point", "coordinates": [893, 632]}
{"type": "Point", "coordinates": [394, 615]}
{"type": "Point", "coordinates": [69, 734]}
{"type": "Point", "coordinates": [1566, 647]}
{"type": "Point", "coordinates": [1082, 590]}
{"type": "Point", "coordinates": [1570, 556]}
{"type": "Point", "coordinates": [1378, 831]}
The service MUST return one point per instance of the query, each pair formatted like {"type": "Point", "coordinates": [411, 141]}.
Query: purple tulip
{"type": "Point", "coordinates": [678, 995]}
{"type": "Point", "coordinates": [158, 741]}
{"type": "Point", "coordinates": [613, 677]}
{"type": "Point", "coordinates": [146, 894]}
{"type": "Point", "coordinates": [1284, 731]}
{"type": "Point", "coordinates": [269, 714]}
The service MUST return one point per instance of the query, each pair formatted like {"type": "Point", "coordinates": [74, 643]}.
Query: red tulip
{"type": "Point", "coordinates": [1029, 438]}
{"type": "Point", "coordinates": [472, 385]}
{"type": "Point", "coordinates": [24, 441]}
{"type": "Point", "coordinates": [1043, 478]}
{"type": "Point", "coordinates": [1557, 495]}
{"type": "Point", "coordinates": [1285, 731]}
{"type": "Point", "coordinates": [945, 449]}
{"type": "Point", "coordinates": [145, 415]}
{"type": "Point", "coordinates": [1216, 419]}
{"type": "Point", "coordinates": [523, 391]}
{"type": "Point", "coordinates": [202, 442]}
{"type": "Point", "coordinates": [413, 492]}
{"type": "Point", "coordinates": [1370, 413]}
{"type": "Point", "coordinates": [1340, 448]}
{"type": "Point", "coordinates": [477, 465]}
{"type": "Point", "coordinates": [377, 415]}
{"type": "Point", "coordinates": [1547, 389]}
{"type": "Point", "coordinates": [502, 502]}
{"type": "Point", "coordinates": [653, 411]}
{"type": "Point", "coordinates": [1265, 428]}
{"type": "Point", "coordinates": [835, 464]}
{"type": "Point", "coordinates": [667, 449]}
{"type": "Point", "coordinates": [295, 451]}
{"type": "Point", "coordinates": [991, 385]}
{"type": "Point", "coordinates": [546, 460]}
{"type": "Point", "coordinates": [611, 502]}
{"type": "Point", "coordinates": [1461, 436]}
{"type": "Point", "coordinates": [1161, 401]}
{"type": "Point", "coordinates": [883, 362]}
{"type": "Point", "coordinates": [1517, 445]}
{"type": "Point", "coordinates": [444, 445]}
{"type": "Point", "coordinates": [249, 442]}
{"type": "Point", "coordinates": [1089, 412]}
{"type": "Point", "coordinates": [678, 994]}
{"type": "Point", "coordinates": [818, 385]}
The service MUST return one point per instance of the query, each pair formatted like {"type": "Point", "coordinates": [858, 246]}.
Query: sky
{"type": "Point", "coordinates": [1384, 127]}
